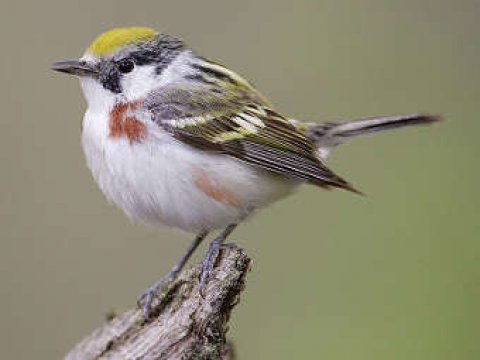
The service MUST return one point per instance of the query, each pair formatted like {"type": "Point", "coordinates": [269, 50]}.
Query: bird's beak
{"type": "Point", "coordinates": [75, 67]}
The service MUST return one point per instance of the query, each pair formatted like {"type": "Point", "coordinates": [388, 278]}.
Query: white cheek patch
{"type": "Point", "coordinates": [137, 84]}
{"type": "Point", "coordinates": [144, 78]}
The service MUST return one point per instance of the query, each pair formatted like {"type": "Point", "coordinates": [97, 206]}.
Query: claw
{"type": "Point", "coordinates": [146, 298]}
{"type": "Point", "coordinates": [212, 256]}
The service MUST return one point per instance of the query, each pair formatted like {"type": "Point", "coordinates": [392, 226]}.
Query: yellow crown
{"type": "Point", "coordinates": [111, 41]}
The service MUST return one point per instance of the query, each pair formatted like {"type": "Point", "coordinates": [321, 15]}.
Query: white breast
{"type": "Point", "coordinates": [163, 181]}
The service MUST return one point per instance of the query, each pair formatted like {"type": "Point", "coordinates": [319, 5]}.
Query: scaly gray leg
{"type": "Point", "coordinates": [147, 297]}
{"type": "Point", "coordinates": [212, 255]}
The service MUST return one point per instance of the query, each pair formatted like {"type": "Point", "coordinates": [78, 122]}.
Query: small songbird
{"type": "Point", "coordinates": [173, 138]}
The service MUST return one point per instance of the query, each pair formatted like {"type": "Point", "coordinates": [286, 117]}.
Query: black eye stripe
{"type": "Point", "coordinates": [159, 52]}
{"type": "Point", "coordinates": [109, 76]}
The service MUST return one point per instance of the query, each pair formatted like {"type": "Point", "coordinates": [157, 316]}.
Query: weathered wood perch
{"type": "Point", "coordinates": [183, 324]}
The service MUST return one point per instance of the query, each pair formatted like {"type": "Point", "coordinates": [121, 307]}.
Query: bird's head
{"type": "Point", "coordinates": [124, 64]}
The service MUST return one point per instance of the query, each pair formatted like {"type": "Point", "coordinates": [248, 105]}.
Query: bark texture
{"type": "Point", "coordinates": [183, 325]}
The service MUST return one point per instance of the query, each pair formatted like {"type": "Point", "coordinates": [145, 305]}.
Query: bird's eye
{"type": "Point", "coordinates": [125, 65]}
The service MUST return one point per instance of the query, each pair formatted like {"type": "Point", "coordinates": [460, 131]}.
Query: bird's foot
{"type": "Point", "coordinates": [212, 257]}
{"type": "Point", "coordinates": [208, 265]}
{"type": "Point", "coordinates": [145, 300]}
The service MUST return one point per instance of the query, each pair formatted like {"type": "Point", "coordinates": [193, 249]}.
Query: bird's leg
{"type": "Point", "coordinates": [147, 297]}
{"type": "Point", "coordinates": [212, 255]}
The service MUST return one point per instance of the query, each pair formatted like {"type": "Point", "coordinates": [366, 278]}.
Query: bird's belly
{"type": "Point", "coordinates": [163, 181]}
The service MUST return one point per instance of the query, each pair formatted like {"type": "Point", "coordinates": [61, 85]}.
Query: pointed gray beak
{"type": "Point", "coordinates": [74, 67]}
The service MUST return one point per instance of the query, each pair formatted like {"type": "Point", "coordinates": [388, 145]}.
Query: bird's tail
{"type": "Point", "coordinates": [330, 134]}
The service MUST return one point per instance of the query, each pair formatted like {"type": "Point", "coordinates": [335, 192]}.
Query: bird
{"type": "Point", "coordinates": [175, 139]}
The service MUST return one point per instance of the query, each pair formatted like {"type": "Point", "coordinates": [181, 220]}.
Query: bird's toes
{"type": "Point", "coordinates": [145, 300]}
{"type": "Point", "coordinates": [207, 267]}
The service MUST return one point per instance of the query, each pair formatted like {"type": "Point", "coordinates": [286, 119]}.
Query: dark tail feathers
{"type": "Point", "coordinates": [330, 134]}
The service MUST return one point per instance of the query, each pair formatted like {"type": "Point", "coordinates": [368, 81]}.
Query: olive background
{"type": "Point", "coordinates": [393, 275]}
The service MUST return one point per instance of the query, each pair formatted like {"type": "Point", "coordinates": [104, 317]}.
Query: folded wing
{"type": "Point", "coordinates": [239, 124]}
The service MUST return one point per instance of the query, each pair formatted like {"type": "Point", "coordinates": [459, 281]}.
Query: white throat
{"type": "Point", "coordinates": [98, 98]}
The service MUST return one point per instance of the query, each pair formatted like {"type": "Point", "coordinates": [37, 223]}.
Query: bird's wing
{"type": "Point", "coordinates": [237, 122]}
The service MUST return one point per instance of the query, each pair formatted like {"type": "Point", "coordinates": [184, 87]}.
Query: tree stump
{"type": "Point", "coordinates": [182, 325]}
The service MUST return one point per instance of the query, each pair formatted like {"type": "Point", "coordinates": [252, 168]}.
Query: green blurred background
{"type": "Point", "coordinates": [395, 275]}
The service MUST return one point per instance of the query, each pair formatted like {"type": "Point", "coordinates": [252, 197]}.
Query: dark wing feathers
{"type": "Point", "coordinates": [239, 124]}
